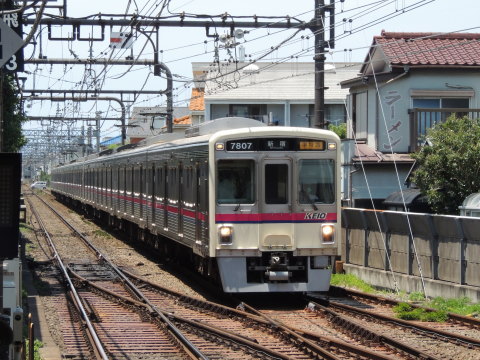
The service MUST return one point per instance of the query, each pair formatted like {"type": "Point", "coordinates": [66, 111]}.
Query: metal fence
{"type": "Point", "coordinates": [446, 247]}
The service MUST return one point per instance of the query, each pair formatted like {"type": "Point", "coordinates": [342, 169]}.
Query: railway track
{"type": "Point", "coordinates": [217, 331]}
{"type": "Point", "coordinates": [118, 314]}
{"type": "Point", "coordinates": [367, 315]}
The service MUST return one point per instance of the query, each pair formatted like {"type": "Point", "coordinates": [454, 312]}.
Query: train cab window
{"type": "Point", "coordinates": [236, 181]}
{"type": "Point", "coordinates": [316, 181]}
{"type": "Point", "coordinates": [276, 184]}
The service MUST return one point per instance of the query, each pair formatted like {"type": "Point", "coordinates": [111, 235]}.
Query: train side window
{"type": "Point", "coordinates": [236, 181]}
{"type": "Point", "coordinates": [276, 184]}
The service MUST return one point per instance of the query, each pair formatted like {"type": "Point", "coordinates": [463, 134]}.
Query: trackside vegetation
{"type": "Point", "coordinates": [405, 310]}
{"type": "Point", "coordinates": [13, 117]}
{"type": "Point", "coordinates": [447, 168]}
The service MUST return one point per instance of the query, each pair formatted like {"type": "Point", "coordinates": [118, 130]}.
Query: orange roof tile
{"type": "Point", "coordinates": [184, 120]}
{"type": "Point", "coordinates": [197, 102]}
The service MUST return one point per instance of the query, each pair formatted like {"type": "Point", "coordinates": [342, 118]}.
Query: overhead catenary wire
{"type": "Point", "coordinates": [284, 44]}
{"type": "Point", "coordinates": [415, 251]}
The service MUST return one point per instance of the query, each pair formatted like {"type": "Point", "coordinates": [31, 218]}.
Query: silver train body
{"type": "Point", "coordinates": [260, 204]}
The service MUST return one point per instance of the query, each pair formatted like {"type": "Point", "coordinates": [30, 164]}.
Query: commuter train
{"type": "Point", "coordinates": [257, 207]}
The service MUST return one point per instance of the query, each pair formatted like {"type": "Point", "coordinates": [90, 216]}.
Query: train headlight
{"type": "Point", "coordinates": [225, 234]}
{"type": "Point", "coordinates": [328, 234]}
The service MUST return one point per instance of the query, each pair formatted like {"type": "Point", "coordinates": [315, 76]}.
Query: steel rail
{"type": "Point", "coordinates": [239, 339]}
{"type": "Point", "coordinates": [174, 330]}
{"type": "Point", "coordinates": [452, 316]}
{"type": "Point", "coordinates": [302, 340]}
{"type": "Point", "coordinates": [259, 318]}
{"type": "Point", "coordinates": [302, 337]}
{"type": "Point", "coordinates": [404, 323]}
{"type": "Point", "coordinates": [362, 331]}
{"type": "Point", "coordinates": [97, 345]}
{"type": "Point", "coordinates": [162, 314]}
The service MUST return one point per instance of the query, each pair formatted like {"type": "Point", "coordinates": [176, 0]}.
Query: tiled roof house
{"type": "Point", "coordinates": [408, 82]}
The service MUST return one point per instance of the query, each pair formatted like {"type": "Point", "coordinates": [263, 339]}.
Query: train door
{"type": "Point", "coordinates": [150, 193]}
{"type": "Point", "coordinates": [172, 196]}
{"type": "Point", "coordinates": [115, 173]}
{"type": "Point", "coordinates": [121, 189]}
{"type": "Point", "coordinates": [277, 186]}
{"type": "Point", "coordinates": [164, 195]}
{"type": "Point", "coordinates": [181, 179]}
{"type": "Point", "coordinates": [188, 196]}
{"type": "Point", "coordinates": [276, 204]}
{"type": "Point", "coordinates": [129, 190]}
{"type": "Point", "coordinates": [197, 196]}
{"type": "Point", "coordinates": [141, 191]}
{"type": "Point", "coordinates": [99, 186]}
{"type": "Point", "coordinates": [109, 189]}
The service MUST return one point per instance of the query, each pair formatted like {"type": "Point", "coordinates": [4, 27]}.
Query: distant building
{"type": "Point", "coordinates": [116, 140]}
{"type": "Point", "coordinates": [279, 93]}
{"type": "Point", "coordinates": [150, 121]}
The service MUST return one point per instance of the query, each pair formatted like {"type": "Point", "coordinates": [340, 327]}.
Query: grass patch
{"type": "Point", "coordinates": [351, 281]}
{"type": "Point", "coordinates": [405, 311]}
{"type": "Point", "coordinates": [462, 306]}
{"type": "Point", "coordinates": [416, 296]}
{"type": "Point", "coordinates": [101, 233]}
{"type": "Point", "coordinates": [26, 229]}
{"type": "Point", "coordinates": [24, 293]}
{"type": "Point", "coordinates": [29, 247]}
{"type": "Point", "coordinates": [36, 346]}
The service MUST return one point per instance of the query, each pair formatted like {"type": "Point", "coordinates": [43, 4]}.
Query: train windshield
{"type": "Point", "coordinates": [236, 180]}
{"type": "Point", "coordinates": [316, 181]}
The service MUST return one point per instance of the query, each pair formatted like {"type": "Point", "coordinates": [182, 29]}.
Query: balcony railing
{"type": "Point", "coordinates": [422, 119]}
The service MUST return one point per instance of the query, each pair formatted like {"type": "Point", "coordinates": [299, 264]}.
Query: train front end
{"type": "Point", "coordinates": [275, 200]}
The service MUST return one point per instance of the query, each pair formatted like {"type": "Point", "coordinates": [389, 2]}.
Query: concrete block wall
{"type": "Point", "coordinates": [446, 247]}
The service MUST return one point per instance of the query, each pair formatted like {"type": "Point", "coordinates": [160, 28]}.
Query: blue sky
{"type": "Point", "coordinates": [358, 21]}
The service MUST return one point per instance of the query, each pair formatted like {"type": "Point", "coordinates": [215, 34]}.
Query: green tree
{"type": "Point", "coordinates": [449, 170]}
{"type": "Point", "coordinates": [340, 130]}
{"type": "Point", "coordinates": [13, 117]}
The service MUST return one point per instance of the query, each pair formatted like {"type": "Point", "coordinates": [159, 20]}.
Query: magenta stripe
{"type": "Point", "coordinates": [277, 217]}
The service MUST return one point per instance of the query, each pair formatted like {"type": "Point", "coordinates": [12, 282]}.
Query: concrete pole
{"type": "Point", "coordinates": [319, 113]}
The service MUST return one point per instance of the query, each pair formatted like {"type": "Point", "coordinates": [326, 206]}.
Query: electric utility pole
{"type": "Point", "coordinates": [319, 29]}
{"type": "Point", "coordinates": [316, 25]}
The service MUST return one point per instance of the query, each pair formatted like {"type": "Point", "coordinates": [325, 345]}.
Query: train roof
{"type": "Point", "coordinates": [201, 132]}
{"type": "Point", "coordinates": [196, 134]}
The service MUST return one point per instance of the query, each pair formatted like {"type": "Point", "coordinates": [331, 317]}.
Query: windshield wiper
{"type": "Point", "coordinates": [312, 202]}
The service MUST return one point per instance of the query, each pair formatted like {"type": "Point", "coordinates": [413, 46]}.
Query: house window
{"type": "Point", "coordinates": [334, 114]}
{"type": "Point", "coordinates": [360, 114]}
{"type": "Point", "coordinates": [441, 103]}
{"type": "Point", "coordinates": [426, 118]}
{"type": "Point", "coordinates": [253, 111]}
